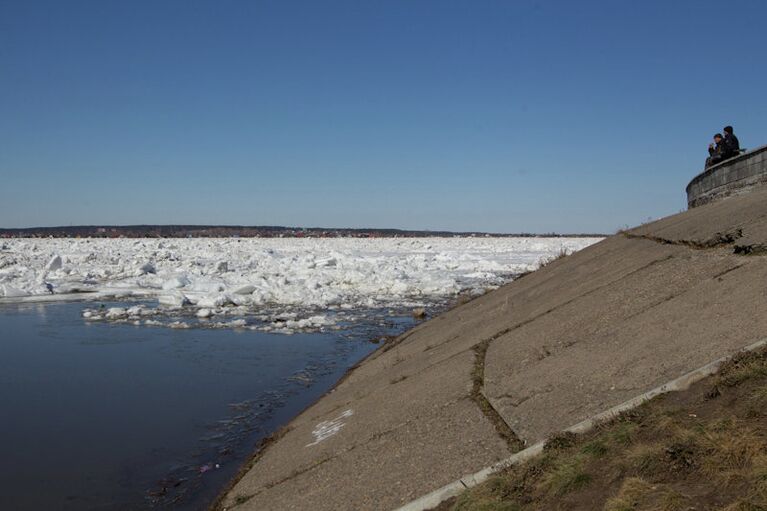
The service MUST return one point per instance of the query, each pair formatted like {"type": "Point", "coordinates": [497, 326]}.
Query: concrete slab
{"type": "Point", "coordinates": [387, 471]}
{"type": "Point", "coordinates": [620, 341]}
{"type": "Point", "coordinates": [583, 334]}
{"type": "Point", "coordinates": [404, 437]}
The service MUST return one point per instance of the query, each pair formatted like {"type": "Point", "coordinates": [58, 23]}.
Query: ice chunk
{"type": "Point", "coordinates": [174, 299]}
{"type": "Point", "coordinates": [240, 300]}
{"type": "Point", "coordinates": [54, 264]}
{"type": "Point", "coordinates": [261, 297]}
{"type": "Point", "coordinates": [6, 261]}
{"type": "Point", "coordinates": [323, 263]}
{"type": "Point", "coordinates": [13, 292]}
{"type": "Point", "coordinates": [203, 286]}
{"type": "Point", "coordinates": [399, 288]}
{"type": "Point", "coordinates": [116, 313]}
{"type": "Point", "coordinates": [204, 313]}
{"type": "Point", "coordinates": [176, 282]}
{"type": "Point", "coordinates": [212, 302]}
{"type": "Point", "coordinates": [320, 320]}
{"type": "Point", "coordinates": [244, 290]}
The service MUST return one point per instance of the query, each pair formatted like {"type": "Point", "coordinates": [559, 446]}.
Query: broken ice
{"type": "Point", "coordinates": [255, 282]}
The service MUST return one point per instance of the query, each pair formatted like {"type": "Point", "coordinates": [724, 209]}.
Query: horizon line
{"type": "Point", "coordinates": [285, 228]}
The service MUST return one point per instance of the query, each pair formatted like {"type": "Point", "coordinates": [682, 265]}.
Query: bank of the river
{"type": "Point", "coordinates": [470, 387]}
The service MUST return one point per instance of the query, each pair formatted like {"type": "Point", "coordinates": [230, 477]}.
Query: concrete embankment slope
{"type": "Point", "coordinates": [581, 335]}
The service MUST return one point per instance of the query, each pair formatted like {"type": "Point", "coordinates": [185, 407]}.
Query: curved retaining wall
{"type": "Point", "coordinates": [730, 177]}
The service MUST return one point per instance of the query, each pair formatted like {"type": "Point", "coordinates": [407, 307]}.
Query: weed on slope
{"type": "Point", "coordinates": [701, 449]}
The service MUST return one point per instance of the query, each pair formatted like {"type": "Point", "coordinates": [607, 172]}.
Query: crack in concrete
{"type": "Point", "coordinates": [503, 428]}
{"type": "Point", "coordinates": [718, 240]}
{"type": "Point", "coordinates": [755, 249]}
{"type": "Point", "coordinates": [656, 304]}
{"type": "Point", "coordinates": [728, 270]}
{"type": "Point", "coordinates": [516, 401]}
{"type": "Point", "coordinates": [680, 293]}
{"type": "Point", "coordinates": [573, 299]}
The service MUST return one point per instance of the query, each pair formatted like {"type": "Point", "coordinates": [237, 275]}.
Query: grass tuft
{"type": "Point", "coordinates": [490, 496]}
{"type": "Point", "coordinates": [548, 260]}
{"type": "Point", "coordinates": [595, 448]}
{"type": "Point", "coordinates": [647, 460]}
{"type": "Point", "coordinates": [742, 367]}
{"type": "Point", "coordinates": [566, 475]}
{"type": "Point", "coordinates": [730, 455]}
{"type": "Point", "coordinates": [622, 434]}
{"type": "Point", "coordinates": [631, 493]}
{"type": "Point", "coordinates": [560, 441]}
{"type": "Point", "coordinates": [637, 494]}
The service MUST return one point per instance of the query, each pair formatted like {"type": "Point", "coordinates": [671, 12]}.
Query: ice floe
{"type": "Point", "coordinates": [271, 284]}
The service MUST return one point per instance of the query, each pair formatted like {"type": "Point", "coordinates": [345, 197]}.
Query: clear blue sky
{"type": "Point", "coordinates": [474, 115]}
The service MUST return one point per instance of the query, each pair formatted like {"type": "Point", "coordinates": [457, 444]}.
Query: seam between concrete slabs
{"type": "Point", "coordinates": [455, 488]}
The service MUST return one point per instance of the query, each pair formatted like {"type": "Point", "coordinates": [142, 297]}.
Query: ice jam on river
{"type": "Point", "coordinates": [268, 284]}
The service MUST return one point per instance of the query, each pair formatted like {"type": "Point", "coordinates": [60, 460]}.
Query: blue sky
{"type": "Point", "coordinates": [503, 116]}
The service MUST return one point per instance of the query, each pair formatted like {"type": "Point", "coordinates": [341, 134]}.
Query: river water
{"type": "Point", "coordinates": [114, 416]}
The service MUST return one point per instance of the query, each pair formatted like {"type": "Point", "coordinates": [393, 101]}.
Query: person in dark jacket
{"type": "Point", "coordinates": [716, 151]}
{"type": "Point", "coordinates": [731, 143]}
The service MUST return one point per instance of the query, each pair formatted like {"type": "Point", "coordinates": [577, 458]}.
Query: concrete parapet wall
{"type": "Point", "coordinates": [730, 177]}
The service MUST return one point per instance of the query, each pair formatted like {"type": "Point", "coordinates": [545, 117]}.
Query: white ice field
{"type": "Point", "coordinates": [270, 284]}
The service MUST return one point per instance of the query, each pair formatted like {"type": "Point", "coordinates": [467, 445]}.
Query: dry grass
{"type": "Point", "coordinates": [565, 475]}
{"type": "Point", "coordinates": [638, 494]}
{"type": "Point", "coordinates": [730, 453]}
{"type": "Point", "coordinates": [647, 460]}
{"type": "Point", "coordinates": [742, 367]}
{"type": "Point", "coordinates": [545, 262]}
{"type": "Point", "coordinates": [697, 449]}
{"type": "Point", "coordinates": [596, 448]}
{"type": "Point", "coordinates": [548, 260]}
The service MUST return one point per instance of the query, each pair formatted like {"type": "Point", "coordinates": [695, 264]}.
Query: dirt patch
{"type": "Point", "coordinates": [702, 449]}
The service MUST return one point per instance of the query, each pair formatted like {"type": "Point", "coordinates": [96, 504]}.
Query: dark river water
{"type": "Point", "coordinates": [114, 416]}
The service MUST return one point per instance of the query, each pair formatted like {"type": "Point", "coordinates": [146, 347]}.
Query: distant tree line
{"type": "Point", "coordinates": [228, 231]}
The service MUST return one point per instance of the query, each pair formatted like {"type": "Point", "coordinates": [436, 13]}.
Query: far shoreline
{"type": "Point", "coordinates": [239, 231]}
